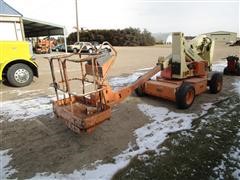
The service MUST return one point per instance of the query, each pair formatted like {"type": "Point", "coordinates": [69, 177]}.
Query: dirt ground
{"type": "Point", "coordinates": [44, 144]}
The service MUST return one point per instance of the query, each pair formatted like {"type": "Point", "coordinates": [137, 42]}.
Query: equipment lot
{"type": "Point", "coordinates": [39, 143]}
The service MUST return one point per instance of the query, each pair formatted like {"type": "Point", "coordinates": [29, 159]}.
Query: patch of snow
{"type": "Point", "coordinates": [123, 81]}
{"type": "Point", "coordinates": [5, 168]}
{"type": "Point", "coordinates": [237, 86]}
{"type": "Point", "coordinates": [148, 137]}
{"type": "Point", "coordinates": [145, 69]}
{"type": "Point", "coordinates": [155, 76]}
{"type": "Point", "coordinates": [205, 107]}
{"type": "Point", "coordinates": [219, 170]}
{"type": "Point", "coordinates": [233, 156]}
{"type": "Point", "coordinates": [20, 92]}
{"type": "Point", "coordinates": [209, 135]}
{"type": "Point", "coordinates": [219, 66]}
{"type": "Point", "coordinates": [164, 122]}
{"type": "Point", "coordinates": [236, 174]}
{"type": "Point", "coordinates": [25, 108]}
{"type": "Point", "coordinates": [143, 157]}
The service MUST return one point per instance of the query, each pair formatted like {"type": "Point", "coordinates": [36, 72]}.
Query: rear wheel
{"type": "Point", "coordinates": [216, 82]}
{"type": "Point", "coordinates": [238, 69]}
{"type": "Point", "coordinates": [140, 90]}
{"type": "Point", "coordinates": [19, 75]}
{"type": "Point", "coordinates": [185, 96]}
{"type": "Point", "coordinates": [225, 71]}
{"type": "Point", "coordinates": [107, 49]}
{"type": "Point", "coordinates": [75, 51]}
{"type": "Point", "coordinates": [90, 51]}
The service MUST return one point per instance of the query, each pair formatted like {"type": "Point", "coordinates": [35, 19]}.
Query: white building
{"type": "Point", "coordinates": [223, 36]}
{"type": "Point", "coordinates": [169, 39]}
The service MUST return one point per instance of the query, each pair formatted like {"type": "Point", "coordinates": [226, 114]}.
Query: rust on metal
{"type": "Point", "coordinates": [91, 104]}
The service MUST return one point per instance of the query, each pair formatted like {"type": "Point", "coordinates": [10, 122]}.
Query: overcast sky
{"type": "Point", "coordinates": [190, 17]}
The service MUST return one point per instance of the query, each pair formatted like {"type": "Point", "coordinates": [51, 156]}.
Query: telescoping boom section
{"type": "Point", "coordinates": [84, 98]}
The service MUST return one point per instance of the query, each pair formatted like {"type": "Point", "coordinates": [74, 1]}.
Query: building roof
{"type": "Point", "coordinates": [7, 10]}
{"type": "Point", "coordinates": [36, 28]}
{"type": "Point", "coordinates": [221, 32]}
{"type": "Point", "coordinates": [32, 27]}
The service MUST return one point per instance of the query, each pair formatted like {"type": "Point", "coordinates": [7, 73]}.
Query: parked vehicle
{"type": "Point", "coordinates": [87, 47]}
{"type": "Point", "coordinates": [43, 46]}
{"type": "Point", "coordinates": [16, 63]}
{"type": "Point", "coordinates": [104, 46]}
{"type": "Point", "coordinates": [59, 48]}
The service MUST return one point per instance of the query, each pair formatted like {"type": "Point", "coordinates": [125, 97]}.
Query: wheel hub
{"type": "Point", "coordinates": [189, 97]}
{"type": "Point", "coordinates": [21, 75]}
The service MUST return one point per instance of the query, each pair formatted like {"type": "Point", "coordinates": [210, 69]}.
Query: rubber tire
{"type": "Point", "coordinates": [225, 71]}
{"type": "Point", "coordinates": [90, 51]}
{"type": "Point", "coordinates": [75, 51]}
{"type": "Point", "coordinates": [238, 70]}
{"type": "Point", "coordinates": [11, 71]}
{"type": "Point", "coordinates": [213, 84]}
{"type": "Point", "coordinates": [181, 96]}
{"type": "Point", "coordinates": [107, 50]}
{"type": "Point", "coordinates": [140, 90]}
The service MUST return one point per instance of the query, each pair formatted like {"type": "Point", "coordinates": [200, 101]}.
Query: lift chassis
{"type": "Point", "coordinates": [184, 73]}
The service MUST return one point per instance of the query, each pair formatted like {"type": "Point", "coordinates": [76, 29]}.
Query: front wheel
{"type": "Point", "coordinates": [107, 49]}
{"type": "Point", "coordinates": [75, 51]}
{"type": "Point", "coordinates": [238, 69]}
{"type": "Point", "coordinates": [140, 91]}
{"type": "Point", "coordinates": [185, 96]}
{"type": "Point", "coordinates": [90, 51]}
{"type": "Point", "coordinates": [19, 75]}
{"type": "Point", "coordinates": [225, 71]}
{"type": "Point", "coordinates": [216, 82]}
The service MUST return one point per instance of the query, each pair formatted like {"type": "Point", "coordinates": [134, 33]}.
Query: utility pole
{"type": "Point", "coordinates": [76, 5]}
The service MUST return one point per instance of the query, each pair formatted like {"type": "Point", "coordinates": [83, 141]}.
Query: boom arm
{"type": "Point", "coordinates": [113, 98]}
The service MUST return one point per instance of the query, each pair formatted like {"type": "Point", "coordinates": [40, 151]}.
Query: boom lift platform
{"type": "Point", "coordinates": [85, 101]}
{"type": "Point", "coordinates": [92, 105]}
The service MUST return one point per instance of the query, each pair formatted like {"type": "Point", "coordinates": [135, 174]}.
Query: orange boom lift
{"type": "Point", "coordinates": [85, 101]}
{"type": "Point", "coordinates": [185, 73]}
